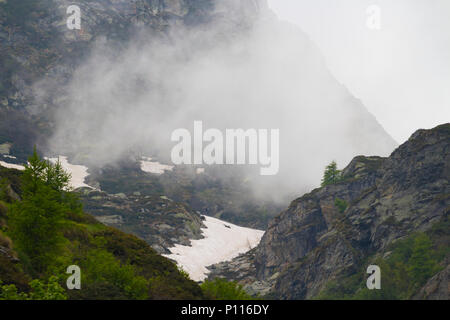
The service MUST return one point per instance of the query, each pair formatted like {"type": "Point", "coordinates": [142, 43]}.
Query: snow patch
{"type": "Point", "coordinates": [222, 241]}
{"type": "Point", "coordinates": [78, 172]}
{"type": "Point", "coordinates": [11, 165]}
{"type": "Point", "coordinates": [200, 170]}
{"type": "Point", "coordinates": [154, 167]}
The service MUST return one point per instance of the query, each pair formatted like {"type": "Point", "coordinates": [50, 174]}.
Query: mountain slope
{"type": "Point", "coordinates": [114, 265]}
{"type": "Point", "coordinates": [255, 65]}
{"type": "Point", "coordinates": [395, 215]}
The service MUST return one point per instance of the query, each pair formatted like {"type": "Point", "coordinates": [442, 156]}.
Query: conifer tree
{"type": "Point", "coordinates": [331, 175]}
{"type": "Point", "coordinates": [35, 221]}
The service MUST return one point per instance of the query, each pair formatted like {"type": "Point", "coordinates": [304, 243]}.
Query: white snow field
{"type": "Point", "coordinates": [154, 167]}
{"type": "Point", "coordinates": [78, 172]}
{"type": "Point", "coordinates": [222, 241]}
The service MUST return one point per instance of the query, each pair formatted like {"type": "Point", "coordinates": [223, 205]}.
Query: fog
{"type": "Point", "coordinates": [400, 71]}
{"type": "Point", "coordinates": [265, 74]}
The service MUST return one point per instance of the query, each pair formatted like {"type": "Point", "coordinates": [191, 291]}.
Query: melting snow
{"type": "Point", "coordinates": [154, 167]}
{"type": "Point", "coordinates": [222, 241]}
{"type": "Point", "coordinates": [78, 172]}
{"type": "Point", "coordinates": [11, 165]}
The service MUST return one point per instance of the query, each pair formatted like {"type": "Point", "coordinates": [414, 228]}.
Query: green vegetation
{"type": "Point", "coordinates": [46, 231]}
{"type": "Point", "coordinates": [331, 175]}
{"type": "Point", "coordinates": [409, 266]}
{"type": "Point", "coordinates": [411, 262]}
{"type": "Point", "coordinates": [341, 204]}
{"type": "Point", "coordinates": [221, 289]}
{"type": "Point", "coordinates": [36, 221]}
{"type": "Point", "coordinates": [39, 291]}
{"type": "Point", "coordinates": [105, 271]}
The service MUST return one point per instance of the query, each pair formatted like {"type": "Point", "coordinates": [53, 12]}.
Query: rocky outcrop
{"type": "Point", "coordinates": [158, 220]}
{"type": "Point", "coordinates": [10, 269]}
{"type": "Point", "coordinates": [314, 241]}
{"type": "Point", "coordinates": [437, 288]}
{"type": "Point", "coordinates": [242, 269]}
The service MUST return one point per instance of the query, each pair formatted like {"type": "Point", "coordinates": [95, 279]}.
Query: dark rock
{"type": "Point", "coordinates": [437, 288]}
{"type": "Point", "coordinates": [156, 219]}
{"type": "Point", "coordinates": [312, 242]}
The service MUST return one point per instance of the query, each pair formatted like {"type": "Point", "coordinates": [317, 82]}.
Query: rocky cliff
{"type": "Point", "coordinates": [36, 44]}
{"type": "Point", "coordinates": [395, 213]}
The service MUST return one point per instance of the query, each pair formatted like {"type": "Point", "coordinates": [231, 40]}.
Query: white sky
{"type": "Point", "coordinates": [400, 72]}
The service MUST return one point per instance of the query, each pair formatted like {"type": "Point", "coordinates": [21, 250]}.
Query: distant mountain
{"type": "Point", "coordinates": [392, 212]}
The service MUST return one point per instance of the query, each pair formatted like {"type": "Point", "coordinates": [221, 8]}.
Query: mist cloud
{"type": "Point", "coordinates": [267, 76]}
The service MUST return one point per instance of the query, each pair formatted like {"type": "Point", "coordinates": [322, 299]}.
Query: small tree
{"type": "Point", "coordinates": [331, 175]}
{"type": "Point", "coordinates": [35, 221]}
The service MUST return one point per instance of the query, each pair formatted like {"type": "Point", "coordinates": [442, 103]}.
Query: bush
{"type": "Point", "coordinates": [341, 204]}
{"type": "Point", "coordinates": [103, 269]}
{"type": "Point", "coordinates": [39, 291]}
{"type": "Point", "coordinates": [221, 289]}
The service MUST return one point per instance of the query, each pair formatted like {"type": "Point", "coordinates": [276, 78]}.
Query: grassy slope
{"type": "Point", "coordinates": [106, 256]}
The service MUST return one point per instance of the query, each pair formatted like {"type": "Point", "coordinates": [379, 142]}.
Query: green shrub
{"type": "Point", "coordinates": [340, 204]}
{"type": "Point", "coordinates": [39, 291]}
{"type": "Point", "coordinates": [102, 268]}
{"type": "Point", "coordinates": [221, 289]}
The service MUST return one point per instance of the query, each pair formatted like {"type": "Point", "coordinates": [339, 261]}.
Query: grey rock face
{"type": "Point", "coordinates": [242, 269]}
{"type": "Point", "coordinates": [437, 288]}
{"type": "Point", "coordinates": [37, 41]}
{"type": "Point", "coordinates": [156, 219]}
{"type": "Point", "coordinates": [312, 242]}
